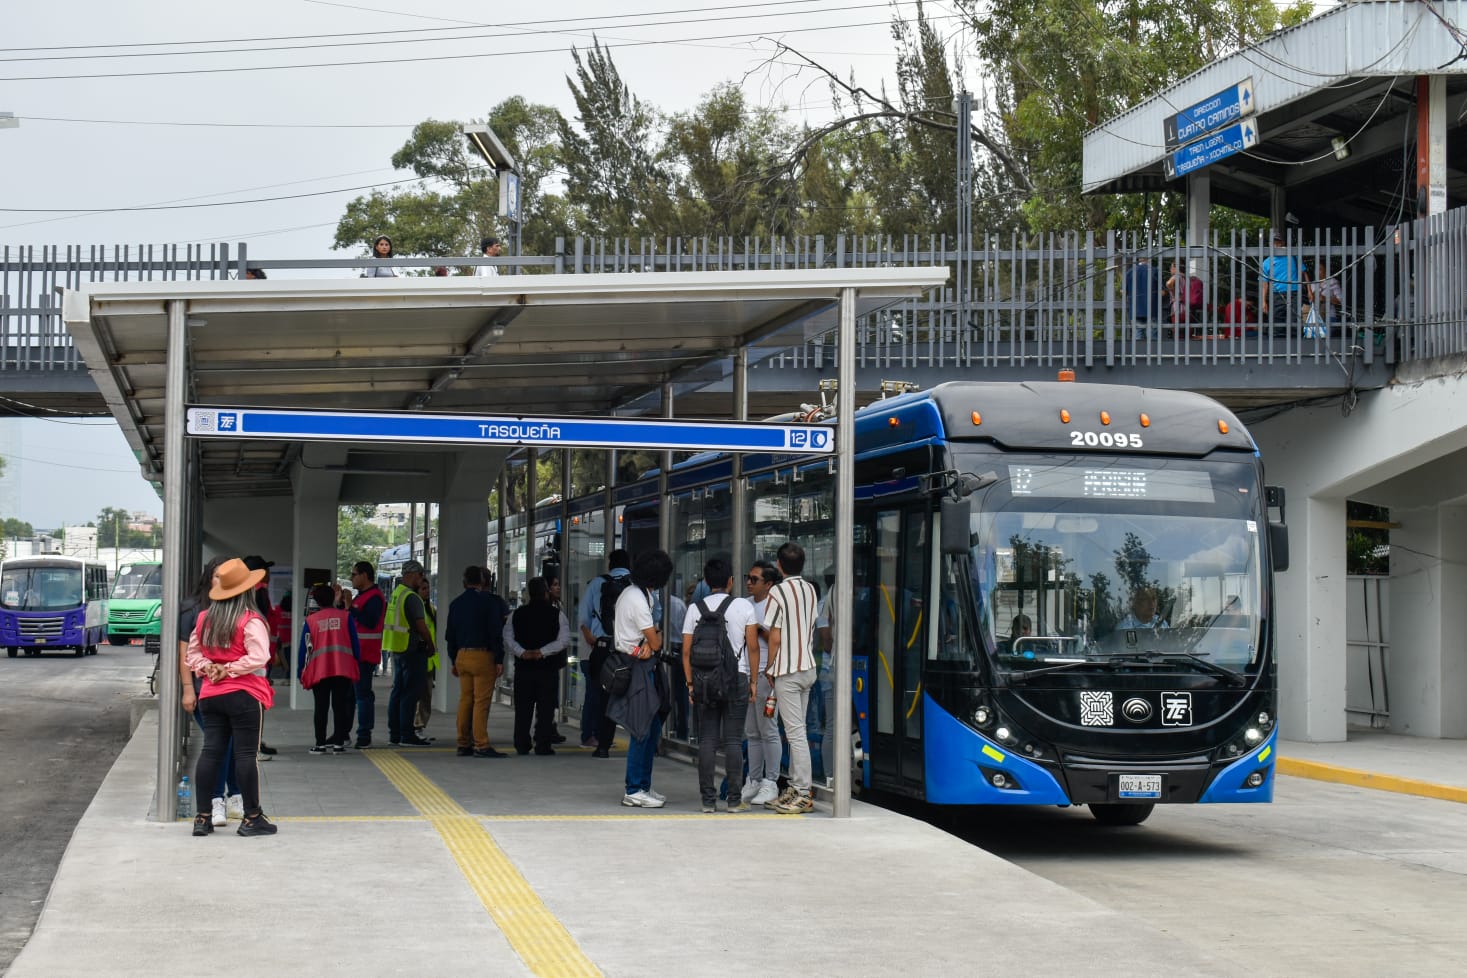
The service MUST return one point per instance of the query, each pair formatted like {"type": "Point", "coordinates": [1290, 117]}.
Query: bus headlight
{"type": "Point", "coordinates": [1253, 736]}
{"type": "Point", "coordinates": [983, 716]}
{"type": "Point", "coordinates": [157, 611]}
{"type": "Point", "coordinates": [1004, 735]}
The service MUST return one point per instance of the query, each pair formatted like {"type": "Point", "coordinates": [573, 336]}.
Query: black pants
{"type": "Point", "coordinates": [536, 686]}
{"type": "Point", "coordinates": [236, 716]}
{"type": "Point", "coordinates": [721, 728]}
{"type": "Point", "coordinates": [338, 694]}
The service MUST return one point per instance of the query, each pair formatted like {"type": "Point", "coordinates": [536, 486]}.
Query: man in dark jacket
{"type": "Point", "coordinates": [533, 636]}
{"type": "Point", "coordinates": [474, 637]}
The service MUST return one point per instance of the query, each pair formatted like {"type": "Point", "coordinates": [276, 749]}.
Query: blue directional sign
{"type": "Point", "coordinates": [1209, 149]}
{"type": "Point", "coordinates": [1212, 113]}
{"type": "Point", "coordinates": [469, 429]}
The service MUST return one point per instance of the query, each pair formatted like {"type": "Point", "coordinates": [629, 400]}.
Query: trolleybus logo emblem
{"type": "Point", "coordinates": [1176, 709]}
{"type": "Point", "coordinates": [1097, 708]}
{"type": "Point", "coordinates": [1136, 709]}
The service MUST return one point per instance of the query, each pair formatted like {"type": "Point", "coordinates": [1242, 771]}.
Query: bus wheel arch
{"type": "Point", "coordinates": [12, 651]}
{"type": "Point", "coordinates": [1121, 814]}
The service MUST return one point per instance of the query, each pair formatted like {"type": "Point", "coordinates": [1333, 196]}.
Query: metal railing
{"type": "Point", "coordinates": [1053, 300]}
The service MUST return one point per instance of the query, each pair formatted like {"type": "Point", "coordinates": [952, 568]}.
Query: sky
{"type": "Point", "coordinates": [171, 125]}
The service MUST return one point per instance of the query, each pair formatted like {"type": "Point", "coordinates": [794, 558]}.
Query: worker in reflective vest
{"type": "Point", "coordinates": [405, 634]}
{"type": "Point", "coordinates": [329, 655]}
{"type": "Point", "coordinates": [368, 610]}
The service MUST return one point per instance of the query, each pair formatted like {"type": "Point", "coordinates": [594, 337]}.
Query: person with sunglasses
{"type": "Point", "coordinates": [762, 784]}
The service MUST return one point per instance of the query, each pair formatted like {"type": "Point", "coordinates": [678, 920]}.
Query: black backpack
{"type": "Point", "coordinates": [611, 588]}
{"type": "Point", "coordinates": [715, 666]}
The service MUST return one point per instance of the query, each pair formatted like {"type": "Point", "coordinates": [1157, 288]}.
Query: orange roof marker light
{"type": "Point", "coordinates": [894, 421]}
{"type": "Point", "coordinates": [1064, 416]}
{"type": "Point", "coordinates": [1222, 426]}
{"type": "Point", "coordinates": [1066, 376]}
{"type": "Point", "coordinates": [1145, 420]}
{"type": "Point", "coordinates": [977, 418]}
{"type": "Point", "coordinates": [1105, 417]}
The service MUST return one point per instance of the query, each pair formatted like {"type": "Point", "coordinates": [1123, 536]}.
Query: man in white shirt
{"type": "Point", "coordinates": [489, 248]}
{"type": "Point", "coordinates": [721, 722]}
{"type": "Point", "coordinates": [792, 669]}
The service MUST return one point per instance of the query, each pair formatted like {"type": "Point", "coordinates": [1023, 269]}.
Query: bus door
{"type": "Point", "coordinates": [897, 607]}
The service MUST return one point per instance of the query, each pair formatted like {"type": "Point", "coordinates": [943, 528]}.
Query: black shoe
{"type": "Point", "coordinates": [601, 752]}
{"type": "Point", "coordinates": [256, 824]}
{"type": "Point", "coordinates": [465, 752]}
{"type": "Point", "coordinates": [363, 743]}
{"type": "Point", "coordinates": [542, 751]}
{"type": "Point", "coordinates": [490, 752]}
{"type": "Point", "coordinates": [203, 825]}
{"type": "Point", "coordinates": [416, 742]}
{"type": "Point", "coordinates": [522, 751]}
{"type": "Point", "coordinates": [394, 743]}
{"type": "Point", "coordinates": [267, 750]}
{"type": "Point", "coordinates": [558, 739]}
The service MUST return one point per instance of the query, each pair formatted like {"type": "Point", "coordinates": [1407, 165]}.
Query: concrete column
{"type": "Point", "coordinates": [1278, 211]}
{"type": "Point", "coordinates": [463, 539]}
{"type": "Point", "coordinates": [1427, 620]}
{"type": "Point", "coordinates": [1310, 623]}
{"type": "Point", "coordinates": [312, 541]}
{"type": "Point", "coordinates": [1199, 206]}
{"type": "Point", "coordinates": [1431, 144]}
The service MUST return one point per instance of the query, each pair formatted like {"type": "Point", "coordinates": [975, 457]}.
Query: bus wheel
{"type": "Point", "coordinates": [1121, 814]}
{"type": "Point", "coordinates": [79, 651]}
{"type": "Point", "coordinates": [91, 650]}
{"type": "Point", "coordinates": [114, 639]}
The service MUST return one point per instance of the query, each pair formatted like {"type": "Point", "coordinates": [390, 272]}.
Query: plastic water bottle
{"type": "Point", "coordinates": [185, 799]}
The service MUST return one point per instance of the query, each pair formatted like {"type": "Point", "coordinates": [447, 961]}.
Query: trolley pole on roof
{"type": "Point", "coordinates": [845, 529]}
{"type": "Point", "coordinates": [174, 464]}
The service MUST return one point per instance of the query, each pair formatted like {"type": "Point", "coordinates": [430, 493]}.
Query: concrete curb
{"type": "Point", "coordinates": [1316, 771]}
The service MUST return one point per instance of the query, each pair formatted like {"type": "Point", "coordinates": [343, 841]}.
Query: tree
{"type": "Point", "coordinates": [356, 539]}
{"type": "Point", "coordinates": [113, 530]}
{"type": "Point", "coordinates": [12, 528]}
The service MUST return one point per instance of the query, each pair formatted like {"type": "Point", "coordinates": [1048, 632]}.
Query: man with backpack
{"type": "Point", "coordinates": [596, 620]}
{"type": "Point", "coordinates": [716, 667]}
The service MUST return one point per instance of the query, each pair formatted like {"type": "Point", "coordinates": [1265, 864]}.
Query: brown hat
{"type": "Point", "coordinates": [234, 577]}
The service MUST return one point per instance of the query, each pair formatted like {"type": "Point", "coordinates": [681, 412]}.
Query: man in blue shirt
{"type": "Point", "coordinates": [1140, 294]}
{"type": "Point", "coordinates": [1280, 280]}
{"type": "Point", "coordinates": [597, 731]}
{"type": "Point", "coordinates": [474, 636]}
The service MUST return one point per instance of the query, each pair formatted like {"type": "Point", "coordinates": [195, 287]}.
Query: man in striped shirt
{"type": "Point", "coordinates": [791, 669]}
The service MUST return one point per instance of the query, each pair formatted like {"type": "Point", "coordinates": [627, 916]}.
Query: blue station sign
{"type": "Point", "coordinates": [1212, 113]}
{"type": "Point", "coordinates": [1209, 149]}
{"type": "Point", "coordinates": [547, 432]}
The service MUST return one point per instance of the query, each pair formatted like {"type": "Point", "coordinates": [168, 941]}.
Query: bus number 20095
{"type": "Point", "coordinates": [1105, 438]}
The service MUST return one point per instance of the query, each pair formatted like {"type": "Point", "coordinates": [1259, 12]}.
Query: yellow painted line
{"type": "Point", "coordinates": [1369, 779]}
{"type": "Point", "coordinates": [536, 934]}
{"type": "Point", "coordinates": [346, 818]}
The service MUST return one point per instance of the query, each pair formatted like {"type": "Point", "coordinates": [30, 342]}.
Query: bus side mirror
{"type": "Point", "coordinates": [1278, 546]}
{"type": "Point", "coordinates": [956, 516]}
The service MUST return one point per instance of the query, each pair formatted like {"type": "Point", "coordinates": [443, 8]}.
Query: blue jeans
{"type": "Point", "coordinates": [592, 707]}
{"type": "Point", "coordinates": [409, 677]}
{"type": "Point", "coordinates": [366, 703]}
{"type": "Point", "coordinates": [640, 756]}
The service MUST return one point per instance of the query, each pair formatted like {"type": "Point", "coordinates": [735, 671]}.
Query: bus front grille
{"type": "Point", "coordinates": [41, 627]}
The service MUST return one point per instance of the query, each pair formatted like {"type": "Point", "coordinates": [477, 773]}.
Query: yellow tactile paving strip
{"type": "Point", "coordinates": [1369, 779]}
{"type": "Point", "coordinates": [536, 934]}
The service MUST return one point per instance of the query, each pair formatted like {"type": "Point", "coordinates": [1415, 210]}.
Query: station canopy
{"type": "Point", "coordinates": [1334, 112]}
{"type": "Point", "coordinates": [541, 345]}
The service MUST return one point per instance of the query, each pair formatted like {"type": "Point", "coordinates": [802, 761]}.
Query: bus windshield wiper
{"type": "Point", "coordinates": [1202, 664]}
{"type": "Point", "coordinates": [1019, 678]}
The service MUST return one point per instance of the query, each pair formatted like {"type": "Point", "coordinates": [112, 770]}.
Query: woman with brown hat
{"type": "Point", "coordinates": [229, 645]}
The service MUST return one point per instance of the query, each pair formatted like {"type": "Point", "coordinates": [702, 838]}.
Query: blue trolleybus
{"type": "Point", "coordinates": [50, 603]}
{"type": "Point", "coordinates": [1062, 592]}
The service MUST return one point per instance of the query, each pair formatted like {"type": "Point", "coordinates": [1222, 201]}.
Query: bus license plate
{"type": "Point", "coordinates": [1139, 786]}
{"type": "Point", "coordinates": [40, 641]}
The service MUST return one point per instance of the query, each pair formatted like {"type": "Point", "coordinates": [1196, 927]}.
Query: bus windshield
{"type": "Point", "coordinates": [139, 581]}
{"type": "Point", "coordinates": [1087, 562]}
{"type": "Point", "coordinates": [33, 588]}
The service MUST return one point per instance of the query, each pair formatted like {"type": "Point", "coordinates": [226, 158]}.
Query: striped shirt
{"type": "Point", "coordinates": [792, 610]}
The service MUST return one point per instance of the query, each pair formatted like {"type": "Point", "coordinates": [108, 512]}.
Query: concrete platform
{"type": "Point", "coordinates": [416, 861]}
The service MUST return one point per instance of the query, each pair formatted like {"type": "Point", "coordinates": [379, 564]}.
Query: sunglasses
{"type": "Point", "coordinates": [754, 579]}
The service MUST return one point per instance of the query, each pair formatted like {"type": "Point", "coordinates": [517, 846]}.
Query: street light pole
{"type": "Point", "coordinates": [483, 141]}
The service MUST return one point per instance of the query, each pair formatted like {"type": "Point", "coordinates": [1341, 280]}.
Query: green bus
{"type": "Point", "coordinates": [136, 608]}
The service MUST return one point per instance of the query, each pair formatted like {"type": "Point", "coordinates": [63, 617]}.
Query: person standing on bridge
{"type": "Point", "coordinates": [229, 646]}
{"type": "Point", "coordinates": [1281, 282]}
{"type": "Point", "coordinates": [381, 248]}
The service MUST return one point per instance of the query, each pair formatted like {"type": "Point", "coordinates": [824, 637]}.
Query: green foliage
{"type": "Point", "coordinates": [356, 539]}
{"type": "Point", "coordinates": [12, 528]}
{"type": "Point", "coordinates": [1367, 549]}
{"type": "Point", "coordinates": [113, 531]}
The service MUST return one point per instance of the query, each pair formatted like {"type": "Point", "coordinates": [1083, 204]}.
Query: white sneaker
{"type": "Point", "coordinates": [751, 788]}
{"type": "Point", "coordinates": [220, 819]}
{"type": "Point", "coordinates": [234, 806]}
{"type": "Point", "coordinates": [654, 793]}
{"type": "Point", "coordinates": [768, 791]}
{"type": "Point", "coordinates": [640, 799]}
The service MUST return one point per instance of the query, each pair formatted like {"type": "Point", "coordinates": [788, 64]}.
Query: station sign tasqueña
{"type": "Point", "coordinates": [542, 432]}
{"type": "Point", "coordinates": [1212, 113]}
{"type": "Point", "coordinates": [1209, 149]}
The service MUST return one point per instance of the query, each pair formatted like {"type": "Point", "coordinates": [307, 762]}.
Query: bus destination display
{"type": "Point", "coordinates": [1075, 482]}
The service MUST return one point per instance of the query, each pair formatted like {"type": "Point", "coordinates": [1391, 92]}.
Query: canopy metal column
{"type": "Point", "coordinates": [175, 462]}
{"type": "Point", "coordinates": [845, 531]}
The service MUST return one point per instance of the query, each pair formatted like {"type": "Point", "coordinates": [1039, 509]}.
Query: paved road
{"type": "Point", "coordinates": [63, 721]}
{"type": "Point", "coordinates": [1329, 881]}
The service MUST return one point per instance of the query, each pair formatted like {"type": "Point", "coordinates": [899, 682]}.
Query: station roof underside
{"type": "Point", "coordinates": [585, 345]}
{"type": "Point", "coordinates": [1349, 73]}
